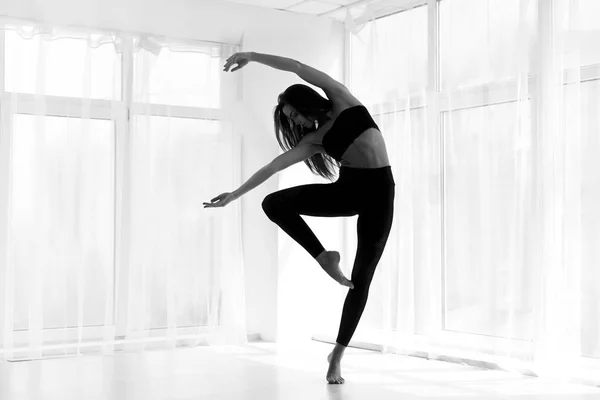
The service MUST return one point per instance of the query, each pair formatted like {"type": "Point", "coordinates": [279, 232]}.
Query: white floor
{"type": "Point", "coordinates": [265, 371]}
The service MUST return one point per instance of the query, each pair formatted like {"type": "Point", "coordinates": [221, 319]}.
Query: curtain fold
{"type": "Point", "coordinates": [110, 143]}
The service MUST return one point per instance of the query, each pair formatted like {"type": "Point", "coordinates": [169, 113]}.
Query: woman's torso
{"type": "Point", "coordinates": [368, 150]}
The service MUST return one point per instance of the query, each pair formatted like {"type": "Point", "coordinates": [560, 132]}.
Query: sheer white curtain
{"type": "Point", "coordinates": [390, 75]}
{"type": "Point", "coordinates": [492, 132]}
{"type": "Point", "coordinates": [109, 144]}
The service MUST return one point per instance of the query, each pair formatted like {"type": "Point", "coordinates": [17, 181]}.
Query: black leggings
{"type": "Point", "coordinates": [366, 192]}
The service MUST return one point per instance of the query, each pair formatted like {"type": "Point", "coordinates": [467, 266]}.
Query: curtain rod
{"type": "Point", "coordinates": [106, 30]}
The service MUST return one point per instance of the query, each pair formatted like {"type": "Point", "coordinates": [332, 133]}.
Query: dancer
{"type": "Point", "coordinates": [327, 134]}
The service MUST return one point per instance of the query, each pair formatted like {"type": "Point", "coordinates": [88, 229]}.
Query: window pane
{"type": "Point", "coordinates": [62, 176]}
{"type": "Point", "coordinates": [178, 163]}
{"type": "Point", "coordinates": [392, 53]}
{"type": "Point", "coordinates": [408, 141]}
{"type": "Point", "coordinates": [177, 78]}
{"type": "Point", "coordinates": [590, 212]}
{"type": "Point", "coordinates": [579, 25]}
{"type": "Point", "coordinates": [488, 171]}
{"type": "Point", "coordinates": [479, 40]}
{"type": "Point", "coordinates": [62, 67]}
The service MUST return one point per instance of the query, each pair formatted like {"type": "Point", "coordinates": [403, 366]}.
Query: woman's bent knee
{"type": "Point", "coordinates": [271, 204]}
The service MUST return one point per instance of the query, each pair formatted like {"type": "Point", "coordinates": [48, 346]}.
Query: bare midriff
{"type": "Point", "coordinates": [367, 151]}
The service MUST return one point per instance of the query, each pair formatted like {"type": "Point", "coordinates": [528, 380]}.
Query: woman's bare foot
{"type": "Point", "coordinates": [334, 373]}
{"type": "Point", "coordinates": [330, 262]}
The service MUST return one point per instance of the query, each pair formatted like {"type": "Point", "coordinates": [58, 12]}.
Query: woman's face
{"type": "Point", "coordinates": [296, 117]}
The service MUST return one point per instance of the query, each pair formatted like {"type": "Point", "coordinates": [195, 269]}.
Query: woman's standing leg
{"type": "Point", "coordinates": [373, 229]}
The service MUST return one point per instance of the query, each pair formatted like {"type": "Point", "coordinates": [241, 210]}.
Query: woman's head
{"type": "Point", "coordinates": [300, 106]}
{"type": "Point", "coordinates": [299, 111]}
{"type": "Point", "coordinates": [297, 118]}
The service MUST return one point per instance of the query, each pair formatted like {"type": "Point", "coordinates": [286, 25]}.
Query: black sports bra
{"type": "Point", "coordinates": [349, 124]}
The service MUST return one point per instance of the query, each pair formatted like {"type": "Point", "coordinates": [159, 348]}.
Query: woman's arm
{"type": "Point", "coordinates": [277, 62]}
{"type": "Point", "coordinates": [299, 153]}
{"type": "Point", "coordinates": [306, 72]}
{"type": "Point", "coordinates": [259, 177]}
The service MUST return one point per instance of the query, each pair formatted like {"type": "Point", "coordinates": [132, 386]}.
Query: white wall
{"type": "Point", "coordinates": [322, 47]}
{"type": "Point", "coordinates": [312, 40]}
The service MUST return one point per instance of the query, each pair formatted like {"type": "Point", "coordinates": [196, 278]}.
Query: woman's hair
{"type": "Point", "coordinates": [309, 103]}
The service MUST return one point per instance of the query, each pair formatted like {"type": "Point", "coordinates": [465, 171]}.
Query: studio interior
{"type": "Point", "coordinates": [163, 199]}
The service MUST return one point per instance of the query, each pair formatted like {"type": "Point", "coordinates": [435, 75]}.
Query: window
{"type": "Point", "coordinates": [583, 117]}
{"type": "Point", "coordinates": [61, 148]}
{"type": "Point", "coordinates": [389, 74]}
{"type": "Point", "coordinates": [177, 78]}
{"type": "Point", "coordinates": [392, 54]}
{"type": "Point", "coordinates": [479, 41]}
{"type": "Point", "coordinates": [77, 157]}
{"type": "Point", "coordinates": [67, 107]}
{"type": "Point", "coordinates": [487, 108]}
{"type": "Point", "coordinates": [175, 157]}
{"type": "Point", "coordinates": [71, 68]}
{"type": "Point", "coordinates": [484, 180]}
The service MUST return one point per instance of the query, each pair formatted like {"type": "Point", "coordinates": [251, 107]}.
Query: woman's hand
{"type": "Point", "coordinates": [221, 200]}
{"type": "Point", "coordinates": [241, 59]}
